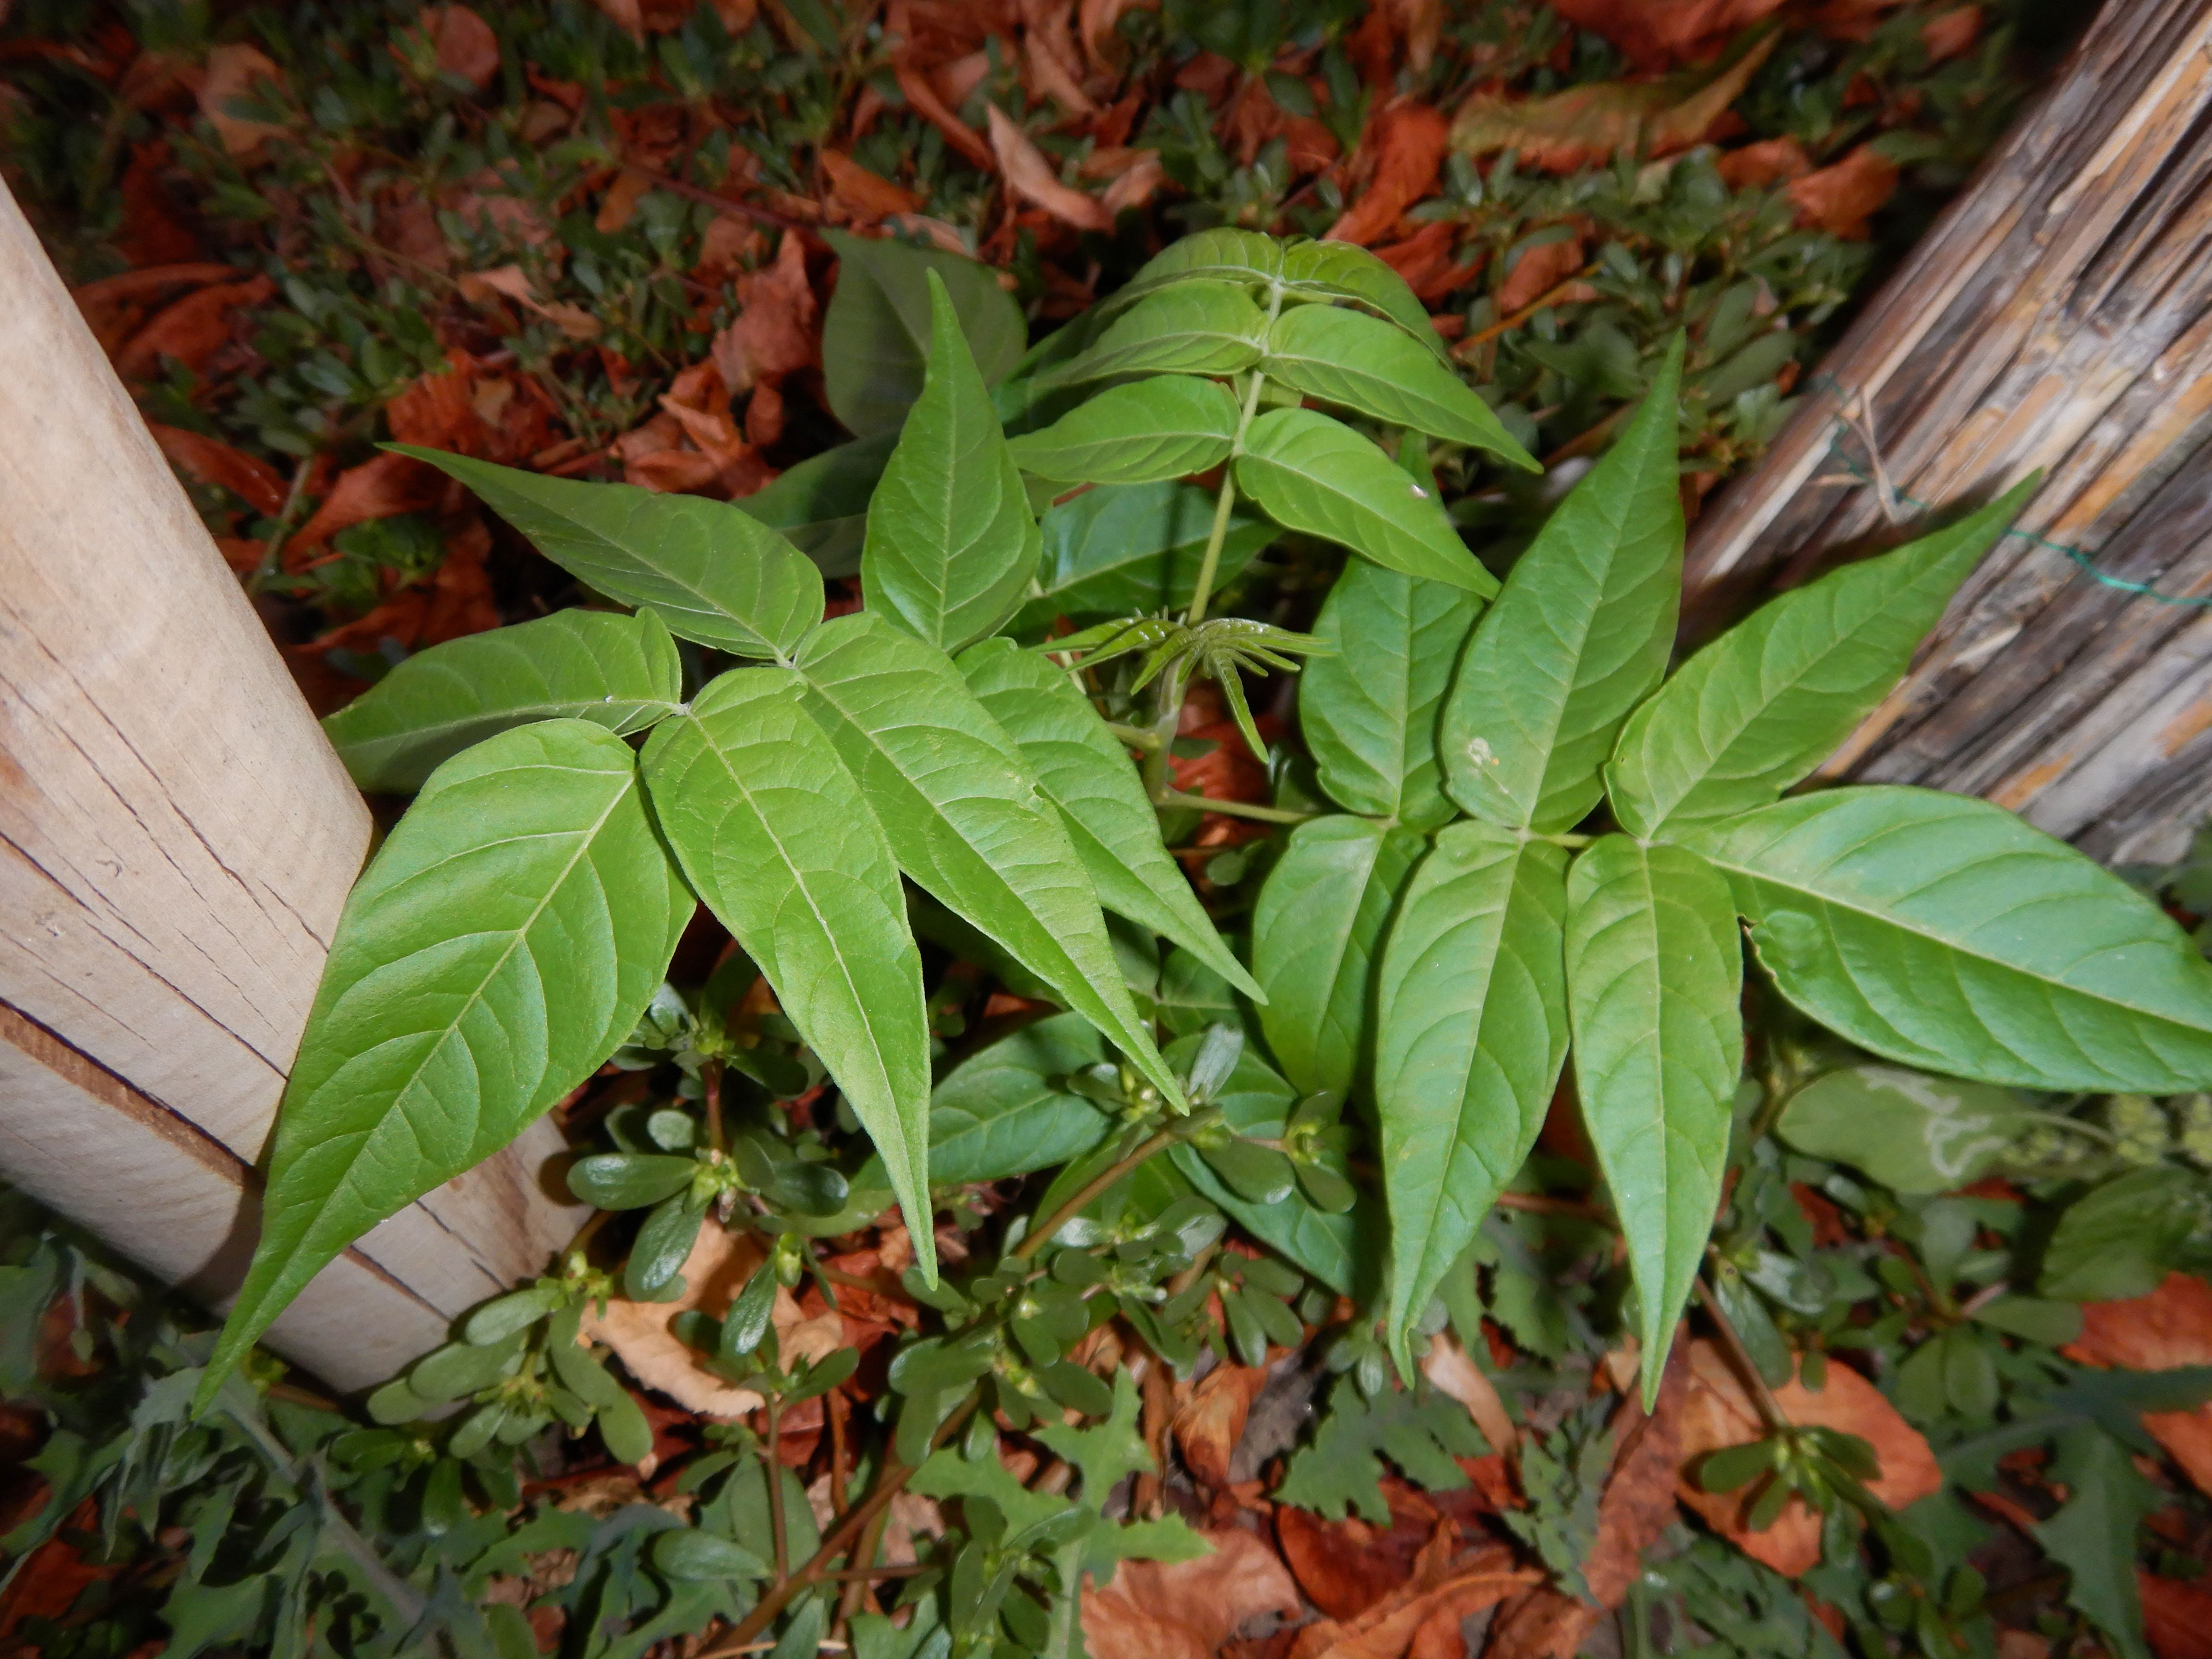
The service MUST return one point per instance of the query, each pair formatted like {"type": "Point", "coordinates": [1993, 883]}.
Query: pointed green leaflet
{"type": "Point", "coordinates": [1364, 363]}
{"type": "Point", "coordinates": [966, 818]}
{"type": "Point", "coordinates": [1471, 1021]}
{"type": "Point", "coordinates": [951, 545]}
{"type": "Point", "coordinates": [614, 670]}
{"type": "Point", "coordinates": [1317, 934]}
{"type": "Point", "coordinates": [715, 574]}
{"type": "Point", "coordinates": [1167, 427]}
{"type": "Point", "coordinates": [1369, 713]}
{"type": "Point", "coordinates": [1760, 707]}
{"type": "Point", "coordinates": [875, 336]}
{"type": "Point", "coordinates": [1087, 775]}
{"type": "Point", "coordinates": [1345, 270]}
{"type": "Point", "coordinates": [502, 943]}
{"type": "Point", "coordinates": [764, 818]}
{"type": "Point", "coordinates": [1224, 254]}
{"type": "Point", "coordinates": [1312, 474]}
{"type": "Point", "coordinates": [1654, 974]}
{"type": "Point", "coordinates": [1943, 931]}
{"type": "Point", "coordinates": [1193, 328]}
{"type": "Point", "coordinates": [1122, 549]}
{"type": "Point", "coordinates": [1580, 636]}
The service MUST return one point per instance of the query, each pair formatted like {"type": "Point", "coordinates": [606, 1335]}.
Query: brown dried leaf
{"type": "Point", "coordinates": [1448, 1366]}
{"type": "Point", "coordinates": [1840, 198]}
{"type": "Point", "coordinates": [1545, 1624]}
{"type": "Point", "coordinates": [237, 71]}
{"type": "Point", "coordinates": [190, 330]}
{"type": "Point", "coordinates": [1186, 1609]}
{"type": "Point", "coordinates": [1031, 178]}
{"type": "Point", "coordinates": [933, 109]}
{"type": "Point", "coordinates": [2177, 1617]}
{"type": "Point", "coordinates": [2172, 1327]}
{"type": "Point", "coordinates": [1660, 33]}
{"type": "Point", "coordinates": [1769, 161]}
{"type": "Point", "coordinates": [863, 197]}
{"type": "Point", "coordinates": [1097, 21]}
{"type": "Point", "coordinates": [508, 281]}
{"type": "Point", "coordinates": [379, 487]}
{"type": "Point", "coordinates": [1638, 1501]}
{"type": "Point", "coordinates": [1718, 1412]}
{"type": "Point", "coordinates": [1591, 124]}
{"type": "Point", "coordinates": [1446, 1585]}
{"type": "Point", "coordinates": [775, 333]}
{"type": "Point", "coordinates": [465, 43]}
{"type": "Point", "coordinates": [1136, 185]}
{"type": "Point", "coordinates": [1346, 1566]}
{"type": "Point", "coordinates": [1208, 1425]}
{"type": "Point", "coordinates": [1537, 272]}
{"type": "Point", "coordinates": [1407, 142]}
{"type": "Point", "coordinates": [716, 1270]}
{"type": "Point", "coordinates": [211, 461]}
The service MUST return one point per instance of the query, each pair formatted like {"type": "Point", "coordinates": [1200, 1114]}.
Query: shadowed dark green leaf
{"type": "Point", "coordinates": [1369, 713]}
{"type": "Point", "coordinates": [1315, 475]}
{"type": "Point", "coordinates": [1086, 772]}
{"type": "Point", "coordinates": [1471, 1016]}
{"type": "Point", "coordinates": [966, 818]}
{"type": "Point", "coordinates": [1910, 1132]}
{"type": "Point", "coordinates": [1941, 931]}
{"type": "Point", "coordinates": [875, 336]}
{"type": "Point", "coordinates": [1654, 974]}
{"type": "Point", "coordinates": [502, 944]}
{"type": "Point", "coordinates": [821, 505]}
{"type": "Point", "coordinates": [1366, 364]}
{"type": "Point", "coordinates": [766, 823]}
{"type": "Point", "coordinates": [1578, 638]}
{"type": "Point", "coordinates": [1760, 707]}
{"type": "Point", "coordinates": [715, 575]}
{"type": "Point", "coordinates": [1317, 934]}
{"type": "Point", "coordinates": [1122, 549]}
{"type": "Point", "coordinates": [951, 545]}
{"type": "Point", "coordinates": [1168, 426]}
{"type": "Point", "coordinates": [1004, 1111]}
{"type": "Point", "coordinates": [614, 670]}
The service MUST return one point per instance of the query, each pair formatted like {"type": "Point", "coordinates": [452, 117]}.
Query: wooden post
{"type": "Point", "coordinates": [2059, 316]}
{"type": "Point", "coordinates": [176, 840]}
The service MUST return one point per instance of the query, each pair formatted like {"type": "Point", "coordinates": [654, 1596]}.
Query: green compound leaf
{"type": "Point", "coordinates": [1423, 1433]}
{"type": "Point", "coordinates": [1364, 363]}
{"type": "Point", "coordinates": [1471, 1012]}
{"type": "Point", "coordinates": [614, 670]}
{"type": "Point", "coordinates": [1760, 707]}
{"type": "Point", "coordinates": [1369, 713]}
{"type": "Point", "coordinates": [875, 336]}
{"type": "Point", "coordinates": [1168, 426]}
{"type": "Point", "coordinates": [1087, 773]}
{"type": "Point", "coordinates": [1317, 935]}
{"type": "Point", "coordinates": [1943, 931]}
{"type": "Point", "coordinates": [2093, 1536]}
{"type": "Point", "coordinates": [1225, 254]}
{"type": "Point", "coordinates": [766, 823]}
{"type": "Point", "coordinates": [1192, 328]}
{"type": "Point", "coordinates": [966, 818]}
{"type": "Point", "coordinates": [1003, 1112]}
{"type": "Point", "coordinates": [1312, 474]}
{"type": "Point", "coordinates": [951, 545]}
{"type": "Point", "coordinates": [1654, 976]}
{"type": "Point", "coordinates": [1578, 639]}
{"type": "Point", "coordinates": [1122, 548]}
{"type": "Point", "coordinates": [502, 944]}
{"type": "Point", "coordinates": [715, 574]}
{"type": "Point", "coordinates": [1344, 271]}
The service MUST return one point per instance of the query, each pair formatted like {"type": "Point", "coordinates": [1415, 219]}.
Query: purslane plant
{"type": "Point", "coordinates": [1431, 953]}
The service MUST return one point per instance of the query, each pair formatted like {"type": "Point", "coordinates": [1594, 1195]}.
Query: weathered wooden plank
{"type": "Point", "coordinates": [176, 841]}
{"type": "Point", "coordinates": [2058, 317]}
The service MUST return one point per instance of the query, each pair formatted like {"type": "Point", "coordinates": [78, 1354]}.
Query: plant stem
{"type": "Point", "coordinates": [1202, 590]}
{"type": "Point", "coordinates": [856, 1577]}
{"type": "Point", "coordinates": [776, 1524]}
{"type": "Point", "coordinates": [888, 1486]}
{"type": "Point", "coordinates": [1136, 736]}
{"type": "Point", "coordinates": [710, 1080]}
{"type": "Point", "coordinates": [1234, 809]}
{"type": "Point", "coordinates": [1091, 1189]}
{"type": "Point", "coordinates": [1770, 1409]}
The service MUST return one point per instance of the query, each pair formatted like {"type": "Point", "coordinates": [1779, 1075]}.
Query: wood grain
{"type": "Point", "coordinates": [177, 838]}
{"type": "Point", "coordinates": [2059, 316]}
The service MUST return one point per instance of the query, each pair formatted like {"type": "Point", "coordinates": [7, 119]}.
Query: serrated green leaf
{"type": "Point", "coordinates": [1343, 1250]}
{"type": "Point", "coordinates": [500, 946]}
{"type": "Point", "coordinates": [1003, 1111]}
{"type": "Point", "coordinates": [1312, 474]}
{"type": "Point", "coordinates": [1340, 1472]}
{"type": "Point", "coordinates": [614, 670]}
{"type": "Point", "coordinates": [1941, 931]}
{"type": "Point", "coordinates": [1369, 712]}
{"type": "Point", "coordinates": [1345, 270]}
{"type": "Point", "coordinates": [1087, 773]}
{"type": "Point", "coordinates": [1193, 328]}
{"type": "Point", "coordinates": [1364, 363]}
{"type": "Point", "coordinates": [951, 545]}
{"type": "Point", "coordinates": [1122, 548]}
{"type": "Point", "coordinates": [1317, 935]}
{"type": "Point", "coordinates": [1767, 702]}
{"type": "Point", "coordinates": [1471, 1014]}
{"type": "Point", "coordinates": [966, 817]}
{"type": "Point", "coordinates": [713, 573]}
{"type": "Point", "coordinates": [2093, 1536]}
{"type": "Point", "coordinates": [764, 819]}
{"type": "Point", "coordinates": [1106, 1452]}
{"type": "Point", "coordinates": [1913, 1133]}
{"type": "Point", "coordinates": [1168, 426]}
{"type": "Point", "coordinates": [2122, 1238]}
{"type": "Point", "coordinates": [875, 335]}
{"type": "Point", "coordinates": [1578, 639]}
{"type": "Point", "coordinates": [1655, 976]}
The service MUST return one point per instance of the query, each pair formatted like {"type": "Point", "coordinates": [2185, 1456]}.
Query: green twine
{"type": "Point", "coordinates": [1828, 387]}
